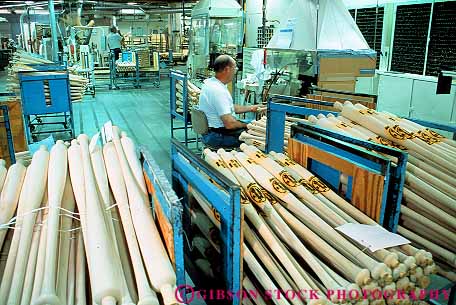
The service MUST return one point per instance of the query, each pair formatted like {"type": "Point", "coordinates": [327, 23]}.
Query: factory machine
{"type": "Point", "coordinates": [217, 28]}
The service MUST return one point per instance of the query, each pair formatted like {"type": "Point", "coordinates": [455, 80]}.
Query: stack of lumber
{"type": "Point", "coordinates": [193, 93]}
{"type": "Point", "coordinates": [20, 62]}
{"type": "Point", "coordinates": [256, 132]}
{"type": "Point", "coordinates": [125, 66]}
{"type": "Point", "coordinates": [290, 241]}
{"type": "Point", "coordinates": [81, 207]}
{"type": "Point", "coordinates": [428, 211]}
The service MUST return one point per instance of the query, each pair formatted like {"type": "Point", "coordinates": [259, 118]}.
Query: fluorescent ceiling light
{"type": "Point", "coordinates": [29, 2]}
{"type": "Point", "coordinates": [132, 3]}
{"type": "Point", "coordinates": [131, 11]}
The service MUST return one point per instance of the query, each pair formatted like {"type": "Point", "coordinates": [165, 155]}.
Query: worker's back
{"type": "Point", "coordinates": [215, 100]}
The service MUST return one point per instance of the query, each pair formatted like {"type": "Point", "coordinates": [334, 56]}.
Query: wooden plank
{"type": "Point", "coordinates": [164, 226]}
{"type": "Point", "coordinates": [367, 192]}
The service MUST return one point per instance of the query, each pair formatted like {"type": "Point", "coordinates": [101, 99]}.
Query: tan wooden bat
{"type": "Point", "coordinates": [269, 182]}
{"type": "Point", "coordinates": [256, 246]}
{"type": "Point", "coordinates": [68, 204]}
{"type": "Point", "coordinates": [80, 289]}
{"type": "Point", "coordinates": [263, 277]}
{"type": "Point", "coordinates": [32, 199]}
{"type": "Point", "coordinates": [31, 264]}
{"type": "Point", "coordinates": [9, 197]}
{"type": "Point", "coordinates": [103, 270]}
{"type": "Point", "coordinates": [72, 270]}
{"type": "Point", "coordinates": [5, 284]}
{"type": "Point", "coordinates": [101, 178]}
{"type": "Point", "coordinates": [57, 175]}
{"type": "Point", "coordinates": [158, 265]}
{"type": "Point", "coordinates": [146, 295]}
{"type": "Point", "coordinates": [3, 173]}
{"type": "Point", "coordinates": [39, 271]}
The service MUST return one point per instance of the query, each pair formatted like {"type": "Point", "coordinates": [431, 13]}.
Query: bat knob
{"type": "Point", "coordinates": [221, 150]}
{"type": "Point", "coordinates": [123, 134]}
{"type": "Point", "coordinates": [346, 103]}
{"type": "Point", "coordinates": [2, 162]}
{"type": "Point", "coordinates": [338, 106]}
{"type": "Point", "coordinates": [83, 138]}
{"type": "Point", "coordinates": [74, 142]}
{"type": "Point", "coordinates": [321, 116]}
{"type": "Point", "coordinates": [59, 142]}
{"type": "Point", "coordinates": [47, 299]}
{"type": "Point", "coordinates": [330, 115]}
{"type": "Point", "coordinates": [244, 146]}
{"type": "Point", "coordinates": [313, 119]}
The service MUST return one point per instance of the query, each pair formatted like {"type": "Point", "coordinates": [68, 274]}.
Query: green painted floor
{"type": "Point", "coordinates": [142, 113]}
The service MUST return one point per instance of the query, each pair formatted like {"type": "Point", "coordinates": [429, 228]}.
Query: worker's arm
{"type": "Point", "coordinates": [243, 109]}
{"type": "Point", "coordinates": [230, 122]}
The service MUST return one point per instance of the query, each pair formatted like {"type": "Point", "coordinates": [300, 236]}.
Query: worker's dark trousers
{"type": "Point", "coordinates": [117, 52]}
{"type": "Point", "coordinates": [217, 140]}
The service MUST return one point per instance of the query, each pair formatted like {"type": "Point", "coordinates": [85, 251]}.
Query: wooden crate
{"type": "Point", "coordinates": [341, 98]}
{"type": "Point", "coordinates": [17, 130]}
{"type": "Point", "coordinates": [367, 187]}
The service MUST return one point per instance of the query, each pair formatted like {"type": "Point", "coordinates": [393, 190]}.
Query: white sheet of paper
{"type": "Point", "coordinates": [372, 237]}
{"type": "Point", "coordinates": [285, 38]}
{"type": "Point", "coordinates": [94, 141]}
{"type": "Point", "coordinates": [106, 132]}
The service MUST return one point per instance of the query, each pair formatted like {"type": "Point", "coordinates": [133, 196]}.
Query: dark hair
{"type": "Point", "coordinates": [222, 62]}
{"type": "Point", "coordinates": [113, 29]}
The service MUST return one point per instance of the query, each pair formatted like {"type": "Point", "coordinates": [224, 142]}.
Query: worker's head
{"type": "Point", "coordinates": [113, 29]}
{"type": "Point", "coordinates": [225, 68]}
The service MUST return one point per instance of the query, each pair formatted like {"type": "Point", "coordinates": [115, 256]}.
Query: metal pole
{"type": "Point", "coordinates": [55, 44]}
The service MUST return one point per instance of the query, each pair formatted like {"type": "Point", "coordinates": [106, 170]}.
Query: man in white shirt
{"type": "Point", "coordinates": [115, 42]}
{"type": "Point", "coordinates": [216, 102]}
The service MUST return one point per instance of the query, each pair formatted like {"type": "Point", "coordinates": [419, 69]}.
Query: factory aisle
{"type": "Point", "coordinates": [142, 113]}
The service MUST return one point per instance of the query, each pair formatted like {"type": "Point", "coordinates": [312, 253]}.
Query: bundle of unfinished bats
{"type": "Point", "coordinates": [20, 62]}
{"type": "Point", "coordinates": [81, 207]}
{"type": "Point", "coordinates": [290, 240]}
{"type": "Point", "coordinates": [193, 93]}
{"type": "Point", "coordinates": [428, 210]}
{"type": "Point", "coordinates": [256, 132]}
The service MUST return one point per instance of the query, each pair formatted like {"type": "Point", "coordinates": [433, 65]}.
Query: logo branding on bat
{"type": "Point", "coordinates": [244, 198]}
{"type": "Point", "coordinates": [342, 125]}
{"type": "Point", "coordinates": [426, 137]}
{"type": "Point", "coordinates": [257, 144]}
{"type": "Point", "coordinates": [308, 186]}
{"type": "Point", "coordinates": [216, 215]}
{"type": "Point", "coordinates": [318, 185]}
{"type": "Point", "coordinates": [366, 111]}
{"type": "Point", "coordinates": [434, 134]}
{"type": "Point", "coordinates": [279, 187]}
{"type": "Point", "coordinates": [260, 155]}
{"type": "Point", "coordinates": [399, 133]}
{"type": "Point", "coordinates": [234, 163]}
{"type": "Point", "coordinates": [255, 194]}
{"type": "Point", "coordinates": [288, 161]}
{"type": "Point", "coordinates": [220, 163]}
{"type": "Point", "coordinates": [250, 161]}
{"type": "Point", "coordinates": [288, 179]}
{"type": "Point", "coordinates": [390, 143]}
{"type": "Point", "coordinates": [268, 196]}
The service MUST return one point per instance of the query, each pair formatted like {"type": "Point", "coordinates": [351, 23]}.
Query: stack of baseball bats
{"type": "Point", "coordinates": [81, 207]}
{"type": "Point", "coordinates": [290, 240]}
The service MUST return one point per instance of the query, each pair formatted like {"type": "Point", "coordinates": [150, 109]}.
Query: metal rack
{"type": "Point", "coordinates": [115, 76]}
{"type": "Point", "coordinates": [41, 109]}
{"type": "Point", "coordinates": [358, 153]}
{"type": "Point", "coordinates": [190, 173]}
{"type": "Point", "coordinates": [183, 117]}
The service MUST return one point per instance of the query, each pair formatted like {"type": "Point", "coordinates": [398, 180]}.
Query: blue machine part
{"type": "Point", "coordinates": [56, 103]}
{"type": "Point", "coordinates": [189, 172]}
